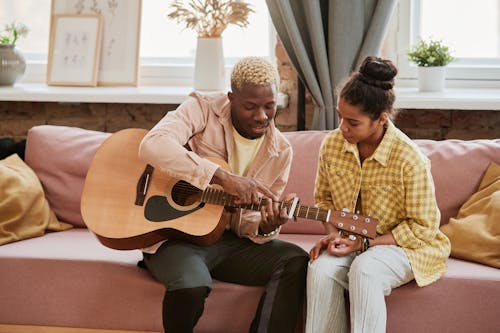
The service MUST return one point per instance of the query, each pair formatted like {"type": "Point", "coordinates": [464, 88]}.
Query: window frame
{"type": "Point", "coordinates": [462, 73]}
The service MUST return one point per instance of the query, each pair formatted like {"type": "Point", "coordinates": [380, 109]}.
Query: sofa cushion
{"type": "Point", "coordinates": [457, 168]}
{"type": "Point", "coordinates": [61, 156]}
{"type": "Point", "coordinates": [24, 211]}
{"type": "Point", "coordinates": [71, 280]}
{"type": "Point", "coordinates": [475, 232]}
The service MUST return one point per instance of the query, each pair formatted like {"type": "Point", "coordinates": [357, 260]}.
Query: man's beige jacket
{"type": "Point", "coordinates": [203, 122]}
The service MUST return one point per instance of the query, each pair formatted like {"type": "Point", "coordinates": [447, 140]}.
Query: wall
{"type": "Point", "coordinates": [449, 124]}
{"type": "Point", "coordinates": [16, 118]}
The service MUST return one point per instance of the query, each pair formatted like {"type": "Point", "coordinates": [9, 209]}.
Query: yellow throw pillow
{"type": "Point", "coordinates": [24, 211]}
{"type": "Point", "coordinates": [475, 232]}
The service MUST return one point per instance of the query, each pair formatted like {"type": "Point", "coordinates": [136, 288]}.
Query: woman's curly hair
{"type": "Point", "coordinates": [371, 87]}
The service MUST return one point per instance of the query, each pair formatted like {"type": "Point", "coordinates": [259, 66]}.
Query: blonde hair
{"type": "Point", "coordinates": [254, 71]}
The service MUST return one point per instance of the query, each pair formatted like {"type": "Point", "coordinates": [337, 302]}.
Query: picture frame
{"type": "Point", "coordinates": [119, 56]}
{"type": "Point", "coordinates": [74, 48]}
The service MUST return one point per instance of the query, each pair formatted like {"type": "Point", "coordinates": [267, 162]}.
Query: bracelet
{"type": "Point", "coordinates": [365, 244]}
{"type": "Point", "coordinates": [272, 233]}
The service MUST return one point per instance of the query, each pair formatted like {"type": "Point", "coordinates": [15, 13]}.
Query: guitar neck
{"type": "Point", "coordinates": [219, 197]}
{"type": "Point", "coordinates": [351, 223]}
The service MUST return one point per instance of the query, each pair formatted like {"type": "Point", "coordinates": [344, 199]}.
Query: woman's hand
{"type": "Point", "coordinates": [335, 245]}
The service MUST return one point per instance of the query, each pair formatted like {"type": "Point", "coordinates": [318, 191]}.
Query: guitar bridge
{"type": "Point", "coordinates": [143, 185]}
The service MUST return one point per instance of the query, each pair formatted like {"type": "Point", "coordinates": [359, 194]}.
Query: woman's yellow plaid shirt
{"type": "Point", "coordinates": [396, 187]}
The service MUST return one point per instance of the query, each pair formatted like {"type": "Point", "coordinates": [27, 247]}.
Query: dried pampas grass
{"type": "Point", "coordinates": [209, 18]}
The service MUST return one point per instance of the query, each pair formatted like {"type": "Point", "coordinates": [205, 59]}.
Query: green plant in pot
{"type": "Point", "coordinates": [432, 53]}
{"type": "Point", "coordinates": [431, 56]}
{"type": "Point", "coordinates": [12, 63]}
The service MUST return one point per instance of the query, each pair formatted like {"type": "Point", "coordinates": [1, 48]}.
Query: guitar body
{"type": "Point", "coordinates": [125, 213]}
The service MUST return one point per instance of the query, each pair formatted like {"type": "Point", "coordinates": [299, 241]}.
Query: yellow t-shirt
{"type": "Point", "coordinates": [243, 153]}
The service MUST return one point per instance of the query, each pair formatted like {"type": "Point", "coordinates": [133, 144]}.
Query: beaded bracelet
{"type": "Point", "coordinates": [272, 233]}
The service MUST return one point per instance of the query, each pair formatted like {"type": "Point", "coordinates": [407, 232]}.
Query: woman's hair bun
{"type": "Point", "coordinates": [378, 72]}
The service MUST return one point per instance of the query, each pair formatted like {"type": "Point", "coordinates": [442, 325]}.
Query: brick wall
{"type": "Point", "coordinates": [449, 124]}
{"type": "Point", "coordinates": [16, 118]}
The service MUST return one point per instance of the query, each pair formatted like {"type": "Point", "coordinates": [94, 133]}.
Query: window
{"type": "Point", "coordinates": [35, 14]}
{"type": "Point", "coordinates": [165, 38]}
{"type": "Point", "coordinates": [470, 28]}
{"type": "Point", "coordinates": [167, 49]}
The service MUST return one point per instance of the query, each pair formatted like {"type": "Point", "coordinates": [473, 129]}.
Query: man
{"type": "Point", "coordinates": [238, 128]}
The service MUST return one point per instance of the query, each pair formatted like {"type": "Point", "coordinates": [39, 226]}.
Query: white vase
{"type": "Point", "coordinates": [12, 65]}
{"type": "Point", "coordinates": [209, 72]}
{"type": "Point", "coordinates": [431, 78]}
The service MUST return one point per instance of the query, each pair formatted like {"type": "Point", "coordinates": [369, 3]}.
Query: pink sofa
{"type": "Point", "coordinates": [68, 279]}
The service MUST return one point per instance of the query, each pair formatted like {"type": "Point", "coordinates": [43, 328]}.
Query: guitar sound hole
{"type": "Point", "coordinates": [185, 194]}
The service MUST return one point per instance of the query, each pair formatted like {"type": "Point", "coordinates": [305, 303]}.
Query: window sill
{"type": "Point", "coordinates": [406, 97]}
{"type": "Point", "coordinates": [449, 99]}
{"type": "Point", "coordinates": [37, 92]}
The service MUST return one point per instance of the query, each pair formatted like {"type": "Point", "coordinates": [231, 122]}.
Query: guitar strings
{"type": "Point", "coordinates": [187, 190]}
{"type": "Point", "coordinates": [190, 190]}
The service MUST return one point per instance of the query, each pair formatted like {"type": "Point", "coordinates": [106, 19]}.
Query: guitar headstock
{"type": "Point", "coordinates": [356, 224]}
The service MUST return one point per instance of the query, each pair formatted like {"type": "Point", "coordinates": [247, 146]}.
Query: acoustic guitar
{"type": "Point", "coordinates": [128, 204]}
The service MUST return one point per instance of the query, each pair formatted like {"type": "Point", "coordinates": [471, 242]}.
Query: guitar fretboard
{"type": "Point", "coordinates": [219, 197]}
{"type": "Point", "coordinates": [342, 220]}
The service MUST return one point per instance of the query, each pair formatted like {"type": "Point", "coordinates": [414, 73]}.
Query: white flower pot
{"type": "Point", "coordinates": [209, 73]}
{"type": "Point", "coordinates": [12, 65]}
{"type": "Point", "coordinates": [431, 78]}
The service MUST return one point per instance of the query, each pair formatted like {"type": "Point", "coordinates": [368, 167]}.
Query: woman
{"type": "Point", "coordinates": [369, 166]}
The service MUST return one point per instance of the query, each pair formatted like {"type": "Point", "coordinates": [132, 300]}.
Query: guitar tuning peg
{"type": "Point", "coordinates": [367, 220]}
{"type": "Point", "coordinates": [345, 209]}
{"type": "Point", "coordinates": [355, 217]}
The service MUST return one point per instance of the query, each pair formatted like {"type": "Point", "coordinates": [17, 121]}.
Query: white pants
{"type": "Point", "coordinates": [368, 277]}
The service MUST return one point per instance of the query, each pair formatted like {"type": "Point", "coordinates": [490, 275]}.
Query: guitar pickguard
{"type": "Point", "coordinates": [159, 209]}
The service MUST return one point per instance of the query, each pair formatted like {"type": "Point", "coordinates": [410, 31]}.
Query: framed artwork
{"type": "Point", "coordinates": [119, 56]}
{"type": "Point", "coordinates": [74, 47]}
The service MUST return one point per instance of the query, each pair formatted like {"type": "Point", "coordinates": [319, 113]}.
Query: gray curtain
{"type": "Point", "coordinates": [326, 40]}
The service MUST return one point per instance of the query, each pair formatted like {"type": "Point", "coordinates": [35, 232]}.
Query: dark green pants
{"type": "Point", "coordinates": [277, 265]}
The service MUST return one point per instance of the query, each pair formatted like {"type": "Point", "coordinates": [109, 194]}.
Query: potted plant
{"type": "Point", "coordinates": [209, 18]}
{"type": "Point", "coordinates": [12, 63]}
{"type": "Point", "coordinates": [431, 57]}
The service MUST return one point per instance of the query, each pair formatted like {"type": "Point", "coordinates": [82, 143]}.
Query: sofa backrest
{"type": "Point", "coordinates": [306, 146]}
{"type": "Point", "coordinates": [457, 168]}
{"type": "Point", "coordinates": [61, 156]}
